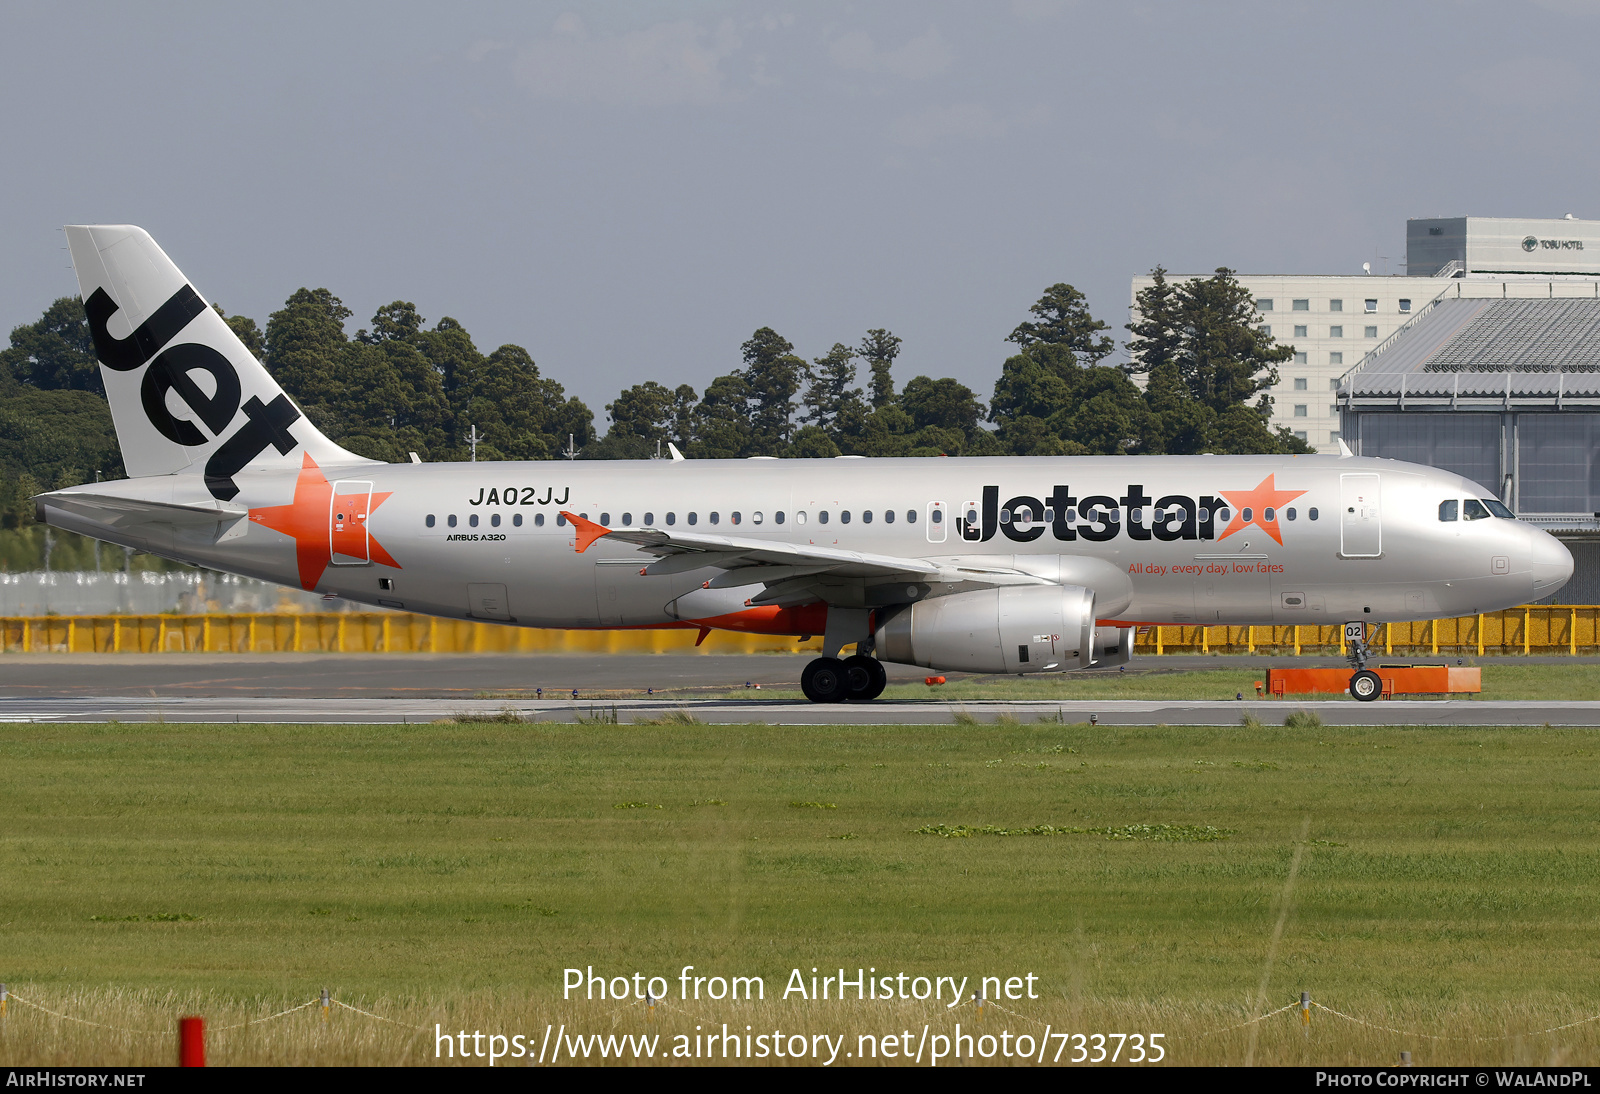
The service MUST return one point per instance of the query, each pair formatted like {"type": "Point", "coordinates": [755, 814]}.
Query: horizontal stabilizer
{"type": "Point", "coordinates": [125, 512]}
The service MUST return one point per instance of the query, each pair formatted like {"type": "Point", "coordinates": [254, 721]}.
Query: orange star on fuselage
{"type": "Point", "coordinates": [1264, 497]}
{"type": "Point", "coordinates": [309, 520]}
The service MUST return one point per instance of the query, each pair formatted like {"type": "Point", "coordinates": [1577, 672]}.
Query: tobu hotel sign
{"type": "Point", "coordinates": [1533, 243]}
{"type": "Point", "coordinates": [1497, 245]}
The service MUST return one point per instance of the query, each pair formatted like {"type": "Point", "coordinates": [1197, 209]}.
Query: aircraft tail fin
{"type": "Point", "coordinates": [185, 393]}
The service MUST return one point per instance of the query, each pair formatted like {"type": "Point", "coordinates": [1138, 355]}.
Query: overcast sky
{"type": "Point", "coordinates": [629, 190]}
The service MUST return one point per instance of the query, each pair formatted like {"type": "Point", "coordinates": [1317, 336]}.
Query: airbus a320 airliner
{"type": "Point", "coordinates": [988, 565]}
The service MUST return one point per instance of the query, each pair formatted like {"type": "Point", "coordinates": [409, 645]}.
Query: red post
{"type": "Point", "coordinates": [191, 1042]}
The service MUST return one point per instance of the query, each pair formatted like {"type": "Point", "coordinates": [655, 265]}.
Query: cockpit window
{"type": "Point", "coordinates": [1448, 509]}
{"type": "Point", "coordinates": [1498, 509]}
{"type": "Point", "coordinates": [1472, 509]}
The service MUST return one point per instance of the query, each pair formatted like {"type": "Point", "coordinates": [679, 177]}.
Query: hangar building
{"type": "Point", "coordinates": [1337, 323]}
{"type": "Point", "coordinates": [1497, 380]}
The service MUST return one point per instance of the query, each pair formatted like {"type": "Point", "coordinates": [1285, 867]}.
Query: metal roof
{"type": "Point", "coordinates": [1479, 354]}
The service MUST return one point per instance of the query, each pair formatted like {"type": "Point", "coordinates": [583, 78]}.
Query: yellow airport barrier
{"type": "Point", "coordinates": [1559, 629]}
{"type": "Point", "coordinates": [353, 632]}
{"type": "Point", "coordinates": [1533, 629]}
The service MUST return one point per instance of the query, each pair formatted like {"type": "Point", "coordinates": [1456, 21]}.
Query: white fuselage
{"type": "Point", "coordinates": [1356, 539]}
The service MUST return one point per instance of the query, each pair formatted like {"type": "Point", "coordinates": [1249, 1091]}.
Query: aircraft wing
{"type": "Point", "coordinates": [732, 552]}
{"type": "Point", "coordinates": [792, 572]}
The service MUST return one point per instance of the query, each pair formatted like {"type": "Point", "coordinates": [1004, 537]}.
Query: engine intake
{"type": "Point", "coordinates": [1014, 629]}
{"type": "Point", "coordinates": [1113, 646]}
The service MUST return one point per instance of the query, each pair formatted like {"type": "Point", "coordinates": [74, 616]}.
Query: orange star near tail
{"type": "Point", "coordinates": [1258, 501]}
{"type": "Point", "coordinates": [310, 520]}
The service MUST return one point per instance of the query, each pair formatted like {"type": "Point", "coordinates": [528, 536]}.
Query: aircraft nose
{"type": "Point", "coordinates": [1552, 563]}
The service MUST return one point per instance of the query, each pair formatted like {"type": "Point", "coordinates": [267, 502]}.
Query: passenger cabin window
{"type": "Point", "coordinates": [561, 520]}
{"type": "Point", "coordinates": [844, 516]}
{"type": "Point", "coordinates": [494, 521]}
{"type": "Point", "coordinates": [605, 518]}
{"type": "Point", "coordinates": [516, 520]}
{"type": "Point", "coordinates": [1473, 509]}
{"type": "Point", "coordinates": [777, 518]}
{"type": "Point", "coordinates": [429, 521]}
{"type": "Point", "coordinates": [822, 516]}
{"type": "Point", "coordinates": [1312, 512]}
{"type": "Point", "coordinates": [538, 520]}
{"type": "Point", "coordinates": [627, 520]}
{"type": "Point", "coordinates": [911, 516]}
{"type": "Point", "coordinates": [716, 518]}
{"type": "Point", "coordinates": [799, 516]}
{"type": "Point", "coordinates": [866, 516]}
{"type": "Point", "coordinates": [888, 516]}
{"type": "Point", "coordinates": [649, 519]}
{"type": "Point", "coordinates": [756, 517]}
{"type": "Point", "coordinates": [1448, 509]}
{"type": "Point", "coordinates": [1290, 513]}
{"type": "Point", "coordinates": [451, 520]}
{"type": "Point", "coordinates": [672, 518]}
{"type": "Point", "coordinates": [694, 518]}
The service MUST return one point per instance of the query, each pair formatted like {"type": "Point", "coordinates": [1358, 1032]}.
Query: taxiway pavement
{"type": "Point", "coordinates": [397, 688]}
{"type": "Point", "coordinates": [1400, 712]}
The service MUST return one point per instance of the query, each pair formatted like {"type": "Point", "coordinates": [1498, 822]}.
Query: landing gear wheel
{"type": "Point", "coordinates": [1366, 685]}
{"type": "Point", "coordinates": [824, 681]}
{"type": "Point", "coordinates": [865, 678]}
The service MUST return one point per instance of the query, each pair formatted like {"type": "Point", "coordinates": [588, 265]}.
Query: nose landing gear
{"type": "Point", "coordinates": [1365, 685]}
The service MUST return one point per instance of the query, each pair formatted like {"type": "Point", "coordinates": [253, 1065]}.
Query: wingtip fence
{"type": "Point", "coordinates": [191, 1029]}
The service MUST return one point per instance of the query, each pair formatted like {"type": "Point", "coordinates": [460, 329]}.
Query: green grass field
{"type": "Point", "coordinates": [1449, 879]}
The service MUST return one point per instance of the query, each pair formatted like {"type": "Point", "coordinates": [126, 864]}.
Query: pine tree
{"type": "Point", "coordinates": [830, 399]}
{"type": "Point", "coordinates": [1063, 319]}
{"type": "Point", "coordinates": [879, 349]}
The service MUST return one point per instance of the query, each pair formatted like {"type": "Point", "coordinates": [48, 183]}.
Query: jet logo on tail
{"type": "Point", "coordinates": [171, 371]}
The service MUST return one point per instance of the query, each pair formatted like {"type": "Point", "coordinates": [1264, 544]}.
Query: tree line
{"type": "Point", "coordinates": [1202, 363]}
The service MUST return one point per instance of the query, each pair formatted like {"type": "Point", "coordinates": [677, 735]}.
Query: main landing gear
{"type": "Point", "coordinates": [856, 679]}
{"type": "Point", "coordinates": [1365, 684]}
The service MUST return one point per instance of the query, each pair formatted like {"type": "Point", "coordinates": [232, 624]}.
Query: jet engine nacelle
{"type": "Point", "coordinates": [1013, 629]}
{"type": "Point", "coordinates": [1113, 646]}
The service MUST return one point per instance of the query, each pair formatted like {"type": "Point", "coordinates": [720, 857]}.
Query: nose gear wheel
{"type": "Point", "coordinates": [1366, 685]}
